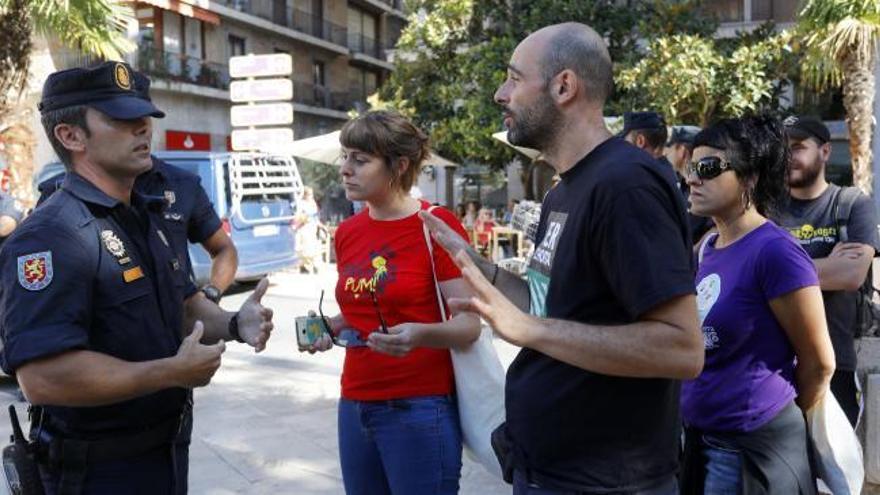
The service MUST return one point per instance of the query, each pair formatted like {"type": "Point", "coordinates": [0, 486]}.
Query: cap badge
{"type": "Point", "coordinates": [123, 79]}
{"type": "Point", "coordinates": [790, 121]}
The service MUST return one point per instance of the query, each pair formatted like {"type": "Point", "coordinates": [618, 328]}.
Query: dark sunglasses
{"type": "Point", "coordinates": [349, 337]}
{"type": "Point", "coordinates": [378, 313]}
{"type": "Point", "coordinates": [708, 168]}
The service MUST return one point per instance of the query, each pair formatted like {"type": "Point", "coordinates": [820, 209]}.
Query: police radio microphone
{"type": "Point", "coordinates": [22, 475]}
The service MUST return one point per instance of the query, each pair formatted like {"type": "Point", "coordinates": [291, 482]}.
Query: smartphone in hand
{"type": "Point", "coordinates": [309, 330]}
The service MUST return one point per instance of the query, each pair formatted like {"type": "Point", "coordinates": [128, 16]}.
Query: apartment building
{"type": "Point", "coordinates": [339, 50]}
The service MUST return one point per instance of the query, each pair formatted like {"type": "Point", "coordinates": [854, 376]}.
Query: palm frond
{"type": "Point", "coordinates": [91, 26]}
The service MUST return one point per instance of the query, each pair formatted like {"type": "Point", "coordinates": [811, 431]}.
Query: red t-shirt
{"type": "Point", "coordinates": [392, 257]}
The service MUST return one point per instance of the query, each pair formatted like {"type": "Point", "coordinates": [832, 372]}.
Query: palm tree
{"type": "Point", "coordinates": [94, 27]}
{"type": "Point", "coordinates": [841, 37]}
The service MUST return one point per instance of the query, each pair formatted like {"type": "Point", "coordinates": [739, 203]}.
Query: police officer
{"type": "Point", "coordinates": [646, 130]}
{"type": "Point", "coordinates": [678, 154]}
{"type": "Point", "coordinates": [189, 216]}
{"type": "Point", "coordinates": [95, 302]}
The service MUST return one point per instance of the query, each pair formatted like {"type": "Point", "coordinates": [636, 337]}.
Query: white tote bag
{"type": "Point", "coordinates": [479, 387]}
{"type": "Point", "coordinates": [837, 451]}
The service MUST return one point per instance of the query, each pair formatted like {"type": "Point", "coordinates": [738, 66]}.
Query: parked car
{"type": "Point", "coordinates": [254, 195]}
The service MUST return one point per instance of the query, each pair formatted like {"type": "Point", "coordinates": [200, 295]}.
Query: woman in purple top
{"type": "Point", "coordinates": [758, 298]}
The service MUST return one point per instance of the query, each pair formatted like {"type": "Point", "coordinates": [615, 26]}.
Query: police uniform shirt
{"type": "Point", "coordinates": [189, 215]}
{"type": "Point", "coordinates": [87, 272]}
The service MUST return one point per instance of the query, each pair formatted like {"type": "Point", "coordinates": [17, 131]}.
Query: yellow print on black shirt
{"type": "Point", "coordinates": [807, 234]}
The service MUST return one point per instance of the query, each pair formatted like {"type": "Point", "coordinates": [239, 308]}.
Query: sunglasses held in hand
{"type": "Point", "coordinates": [349, 337]}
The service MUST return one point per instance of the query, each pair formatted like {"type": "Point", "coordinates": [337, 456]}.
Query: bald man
{"type": "Point", "coordinates": [607, 318]}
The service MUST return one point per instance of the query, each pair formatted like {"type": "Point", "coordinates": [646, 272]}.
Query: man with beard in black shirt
{"type": "Point", "coordinates": [843, 262]}
{"type": "Point", "coordinates": [607, 320]}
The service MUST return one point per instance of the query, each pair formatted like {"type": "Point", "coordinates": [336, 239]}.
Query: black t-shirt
{"type": "Point", "coordinates": [613, 244]}
{"type": "Point", "coordinates": [813, 224]}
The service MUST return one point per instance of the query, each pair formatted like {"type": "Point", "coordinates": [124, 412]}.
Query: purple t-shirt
{"type": "Point", "coordinates": [748, 376]}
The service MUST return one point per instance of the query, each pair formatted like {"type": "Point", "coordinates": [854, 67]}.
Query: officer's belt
{"type": "Point", "coordinates": [112, 448]}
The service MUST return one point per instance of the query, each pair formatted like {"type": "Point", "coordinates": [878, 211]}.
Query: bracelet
{"type": "Point", "coordinates": [233, 329]}
{"type": "Point", "coordinates": [495, 275]}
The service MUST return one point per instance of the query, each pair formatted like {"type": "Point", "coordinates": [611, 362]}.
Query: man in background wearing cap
{"type": "Point", "coordinates": [646, 130]}
{"type": "Point", "coordinates": [842, 259]}
{"type": "Point", "coordinates": [678, 154]}
{"type": "Point", "coordinates": [95, 302]}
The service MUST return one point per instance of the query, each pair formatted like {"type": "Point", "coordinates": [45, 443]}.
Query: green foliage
{"type": "Point", "coordinates": [91, 26]}
{"type": "Point", "coordinates": [832, 30]}
{"type": "Point", "coordinates": [321, 177]}
{"type": "Point", "coordinates": [693, 79]}
{"type": "Point", "coordinates": [453, 56]}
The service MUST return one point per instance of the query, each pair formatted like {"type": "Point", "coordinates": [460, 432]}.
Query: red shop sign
{"type": "Point", "coordinates": [187, 141]}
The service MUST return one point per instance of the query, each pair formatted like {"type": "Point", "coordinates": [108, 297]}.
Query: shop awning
{"type": "Point", "coordinates": [184, 9]}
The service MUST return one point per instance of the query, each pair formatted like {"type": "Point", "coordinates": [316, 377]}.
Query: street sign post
{"type": "Point", "coordinates": [274, 85]}
{"type": "Point", "coordinates": [265, 114]}
{"type": "Point", "coordinates": [260, 139]}
{"type": "Point", "coordinates": [274, 64]}
{"type": "Point", "coordinates": [261, 90]}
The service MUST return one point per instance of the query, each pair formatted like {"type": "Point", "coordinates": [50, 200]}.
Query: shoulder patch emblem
{"type": "Point", "coordinates": [35, 270]}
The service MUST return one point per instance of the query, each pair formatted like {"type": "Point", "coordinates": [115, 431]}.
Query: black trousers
{"type": "Point", "coordinates": [843, 386]}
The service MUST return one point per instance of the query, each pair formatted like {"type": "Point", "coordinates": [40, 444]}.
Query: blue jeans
{"type": "Point", "coordinates": [723, 467]}
{"type": "Point", "coordinates": [400, 447]}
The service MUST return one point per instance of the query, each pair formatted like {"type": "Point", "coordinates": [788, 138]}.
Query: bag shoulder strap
{"type": "Point", "coordinates": [433, 266]}
{"type": "Point", "coordinates": [844, 199]}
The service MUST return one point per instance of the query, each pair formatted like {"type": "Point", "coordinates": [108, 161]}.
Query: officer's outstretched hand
{"type": "Point", "coordinates": [198, 362]}
{"type": "Point", "coordinates": [254, 320]}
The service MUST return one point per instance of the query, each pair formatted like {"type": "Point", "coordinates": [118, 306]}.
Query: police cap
{"type": "Point", "coordinates": [633, 121]}
{"type": "Point", "coordinates": [112, 88]}
{"type": "Point", "coordinates": [683, 134]}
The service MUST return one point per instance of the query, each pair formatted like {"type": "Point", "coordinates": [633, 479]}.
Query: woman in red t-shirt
{"type": "Point", "coordinates": [398, 424]}
{"type": "Point", "coordinates": [483, 230]}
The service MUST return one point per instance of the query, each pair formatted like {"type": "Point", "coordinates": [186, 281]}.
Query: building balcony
{"type": "Point", "coordinates": [322, 97]}
{"type": "Point", "coordinates": [295, 19]}
{"type": "Point", "coordinates": [181, 68]}
{"type": "Point", "coordinates": [393, 7]}
{"type": "Point", "coordinates": [358, 43]}
{"type": "Point", "coordinates": [157, 64]}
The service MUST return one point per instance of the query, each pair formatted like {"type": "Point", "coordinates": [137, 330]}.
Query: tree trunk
{"type": "Point", "coordinates": [858, 99]}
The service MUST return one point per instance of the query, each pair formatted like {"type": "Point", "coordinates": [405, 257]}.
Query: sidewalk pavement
{"type": "Point", "coordinates": [267, 422]}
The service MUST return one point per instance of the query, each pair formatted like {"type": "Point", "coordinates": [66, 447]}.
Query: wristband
{"type": "Point", "coordinates": [233, 329]}
{"type": "Point", "coordinates": [495, 274]}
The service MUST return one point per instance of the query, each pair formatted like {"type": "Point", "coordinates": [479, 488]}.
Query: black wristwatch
{"type": "Point", "coordinates": [212, 293]}
{"type": "Point", "coordinates": [233, 329]}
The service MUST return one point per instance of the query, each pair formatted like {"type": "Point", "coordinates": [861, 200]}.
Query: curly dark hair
{"type": "Point", "coordinates": [757, 148]}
